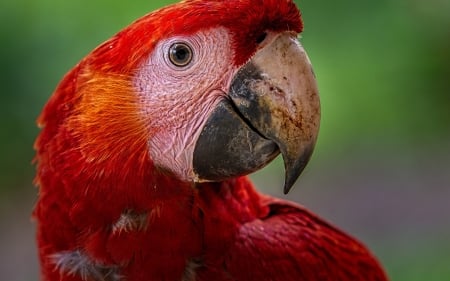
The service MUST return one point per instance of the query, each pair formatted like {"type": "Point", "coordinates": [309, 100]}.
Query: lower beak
{"type": "Point", "coordinates": [273, 107]}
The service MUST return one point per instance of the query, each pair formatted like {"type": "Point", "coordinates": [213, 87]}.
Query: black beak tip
{"type": "Point", "coordinates": [294, 167]}
{"type": "Point", "coordinates": [291, 178]}
{"type": "Point", "coordinates": [287, 187]}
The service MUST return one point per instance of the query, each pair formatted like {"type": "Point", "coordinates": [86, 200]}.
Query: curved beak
{"type": "Point", "coordinates": [273, 107]}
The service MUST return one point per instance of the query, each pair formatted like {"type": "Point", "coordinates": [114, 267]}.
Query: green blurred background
{"type": "Point", "coordinates": [381, 167]}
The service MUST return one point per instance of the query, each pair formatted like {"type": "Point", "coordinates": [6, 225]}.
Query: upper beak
{"type": "Point", "coordinates": [273, 107]}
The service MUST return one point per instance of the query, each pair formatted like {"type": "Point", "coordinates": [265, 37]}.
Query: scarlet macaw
{"type": "Point", "coordinates": [145, 145]}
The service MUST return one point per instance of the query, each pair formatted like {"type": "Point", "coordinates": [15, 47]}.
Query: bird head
{"type": "Point", "coordinates": [204, 90]}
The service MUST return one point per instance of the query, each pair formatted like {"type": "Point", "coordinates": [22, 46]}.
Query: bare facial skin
{"type": "Point", "coordinates": [161, 85]}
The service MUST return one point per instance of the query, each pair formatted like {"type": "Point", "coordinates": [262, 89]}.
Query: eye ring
{"type": "Point", "coordinates": [180, 54]}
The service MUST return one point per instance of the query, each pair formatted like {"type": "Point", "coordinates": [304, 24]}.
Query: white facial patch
{"type": "Point", "coordinates": [176, 101]}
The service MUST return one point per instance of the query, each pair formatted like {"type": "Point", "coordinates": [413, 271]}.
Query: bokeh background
{"type": "Point", "coordinates": [381, 169]}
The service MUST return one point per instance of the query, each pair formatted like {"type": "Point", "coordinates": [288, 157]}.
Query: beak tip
{"type": "Point", "coordinates": [295, 166]}
{"type": "Point", "coordinates": [287, 188]}
{"type": "Point", "coordinates": [290, 179]}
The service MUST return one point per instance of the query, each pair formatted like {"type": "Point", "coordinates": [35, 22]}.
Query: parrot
{"type": "Point", "coordinates": [145, 147]}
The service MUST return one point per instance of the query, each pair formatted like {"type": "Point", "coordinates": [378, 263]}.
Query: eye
{"type": "Point", "coordinates": [180, 54]}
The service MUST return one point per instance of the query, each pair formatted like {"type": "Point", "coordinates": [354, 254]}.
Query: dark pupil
{"type": "Point", "coordinates": [180, 53]}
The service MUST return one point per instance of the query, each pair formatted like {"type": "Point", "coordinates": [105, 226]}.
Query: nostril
{"type": "Point", "coordinates": [261, 38]}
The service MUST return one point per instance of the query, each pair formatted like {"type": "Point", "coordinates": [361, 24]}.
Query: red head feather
{"type": "Point", "coordinates": [247, 20]}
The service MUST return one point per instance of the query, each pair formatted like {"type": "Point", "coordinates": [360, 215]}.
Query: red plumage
{"type": "Point", "coordinates": [94, 164]}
